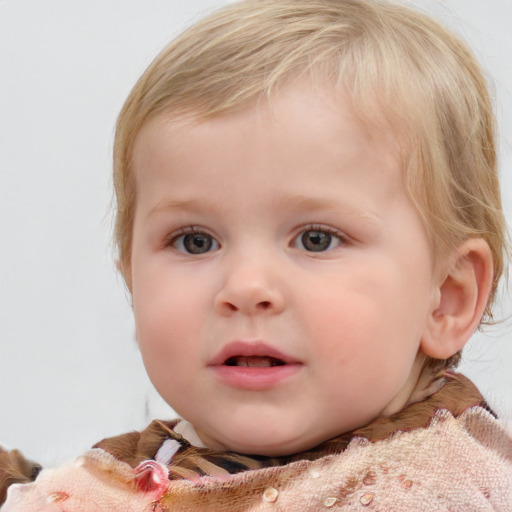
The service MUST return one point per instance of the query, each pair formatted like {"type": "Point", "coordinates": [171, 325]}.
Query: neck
{"type": "Point", "coordinates": [423, 381]}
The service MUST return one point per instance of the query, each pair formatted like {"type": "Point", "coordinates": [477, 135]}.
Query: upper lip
{"type": "Point", "coordinates": [248, 349]}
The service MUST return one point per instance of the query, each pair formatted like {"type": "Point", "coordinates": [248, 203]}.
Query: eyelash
{"type": "Point", "coordinates": [181, 233]}
{"type": "Point", "coordinates": [343, 239]}
{"type": "Point", "coordinates": [297, 239]}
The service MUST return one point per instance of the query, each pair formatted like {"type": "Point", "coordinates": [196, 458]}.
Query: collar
{"type": "Point", "coordinates": [167, 440]}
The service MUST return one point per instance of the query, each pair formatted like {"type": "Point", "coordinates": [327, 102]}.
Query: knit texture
{"type": "Point", "coordinates": [455, 464]}
{"type": "Point", "coordinates": [447, 452]}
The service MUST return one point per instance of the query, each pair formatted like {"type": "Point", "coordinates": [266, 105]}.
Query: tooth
{"type": "Point", "coordinates": [262, 362]}
{"type": "Point", "coordinates": [254, 361]}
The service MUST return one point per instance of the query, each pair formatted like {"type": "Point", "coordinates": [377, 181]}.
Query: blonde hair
{"type": "Point", "coordinates": [397, 64]}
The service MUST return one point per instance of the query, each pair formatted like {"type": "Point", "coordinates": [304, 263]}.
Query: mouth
{"type": "Point", "coordinates": [256, 354]}
{"type": "Point", "coordinates": [254, 366]}
{"type": "Point", "coordinates": [254, 361]}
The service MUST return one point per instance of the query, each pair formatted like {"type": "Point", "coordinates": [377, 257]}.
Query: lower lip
{"type": "Point", "coordinates": [255, 378]}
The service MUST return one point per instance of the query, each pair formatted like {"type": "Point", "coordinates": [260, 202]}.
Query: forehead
{"type": "Point", "coordinates": [304, 151]}
{"type": "Point", "coordinates": [305, 109]}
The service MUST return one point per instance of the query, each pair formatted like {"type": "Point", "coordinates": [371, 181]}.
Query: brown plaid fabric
{"type": "Point", "coordinates": [456, 395]}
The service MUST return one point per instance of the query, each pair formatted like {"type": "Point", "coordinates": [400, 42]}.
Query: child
{"type": "Point", "coordinates": [309, 223]}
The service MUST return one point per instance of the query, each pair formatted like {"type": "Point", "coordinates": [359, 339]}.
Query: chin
{"type": "Point", "coordinates": [268, 444]}
{"type": "Point", "coordinates": [272, 450]}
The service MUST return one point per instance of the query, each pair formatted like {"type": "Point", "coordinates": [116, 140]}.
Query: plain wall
{"type": "Point", "coordinates": [70, 372]}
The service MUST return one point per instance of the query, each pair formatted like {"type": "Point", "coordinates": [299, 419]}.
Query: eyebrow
{"type": "Point", "coordinates": [296, 203]}
{"type": "Point", "coordinates": [302, 203]}
{"type": "Point", "coordinates": [196, 204]}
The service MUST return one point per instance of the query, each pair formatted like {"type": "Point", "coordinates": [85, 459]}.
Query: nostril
{"type": "Point", "coordinates": [248, 299]}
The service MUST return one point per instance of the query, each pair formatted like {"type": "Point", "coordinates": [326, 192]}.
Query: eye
{"type": "Point", "coordinates": [317, 240]}
{"type": "Point", "coordinates": [195, 243]}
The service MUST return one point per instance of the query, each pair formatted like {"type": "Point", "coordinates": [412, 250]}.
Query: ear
{"type": "Point", "coordinates": [461, 299]}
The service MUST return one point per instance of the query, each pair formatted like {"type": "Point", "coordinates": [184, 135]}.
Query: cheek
{"type": "Point", "coordinates": [373, 307]}
{"type": "Point", "coordinates": [167, 351]}
{"type": "Point", "coordinates": [166, 321]}
{"type": "Point", "coordinates": [162, 301]}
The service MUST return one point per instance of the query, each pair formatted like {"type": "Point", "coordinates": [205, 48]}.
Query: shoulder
{"type": "Point", "coordinates": [462, 463]}
{"type": "Point", "coordinates": [134, 447]}
{"type": "Point", "coordinates": [15, 469]}
{"type": "Point", "coordinates": [453, 461]}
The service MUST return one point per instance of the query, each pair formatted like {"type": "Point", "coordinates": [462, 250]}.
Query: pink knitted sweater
{"type": "Point", "coordinates": [457, 462]}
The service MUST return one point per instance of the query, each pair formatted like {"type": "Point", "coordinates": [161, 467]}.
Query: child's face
{"type": "Point", "coordinates": [282, 279]}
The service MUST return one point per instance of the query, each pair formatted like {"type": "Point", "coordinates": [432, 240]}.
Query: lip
{"type": "Point", "coordinates": [256, 378]}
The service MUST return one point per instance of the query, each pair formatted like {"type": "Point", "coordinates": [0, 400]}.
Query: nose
{"type": "Point", "coordinates": [250, 288]}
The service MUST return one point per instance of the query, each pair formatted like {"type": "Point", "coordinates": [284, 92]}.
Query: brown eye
{"type": "Point", "coordinates": [317, 240]}
{"type": "Point", "coordinates": [195, 243]}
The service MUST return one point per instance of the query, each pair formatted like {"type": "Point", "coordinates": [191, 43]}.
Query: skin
{"type": "Point", "coordinates": [352, 316]}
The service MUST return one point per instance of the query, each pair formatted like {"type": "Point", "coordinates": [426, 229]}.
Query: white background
{"type": "Point", "coordinates": [70, 372]}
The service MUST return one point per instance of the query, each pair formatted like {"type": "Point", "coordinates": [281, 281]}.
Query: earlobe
{"type": "Point", "coordinates": [461, 299]}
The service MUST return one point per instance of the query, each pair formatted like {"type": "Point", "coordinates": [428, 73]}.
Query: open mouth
{"type": "Point", "coordinates": [254, 365]}
{"type": "Point", "coordinates": [254, 361]}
